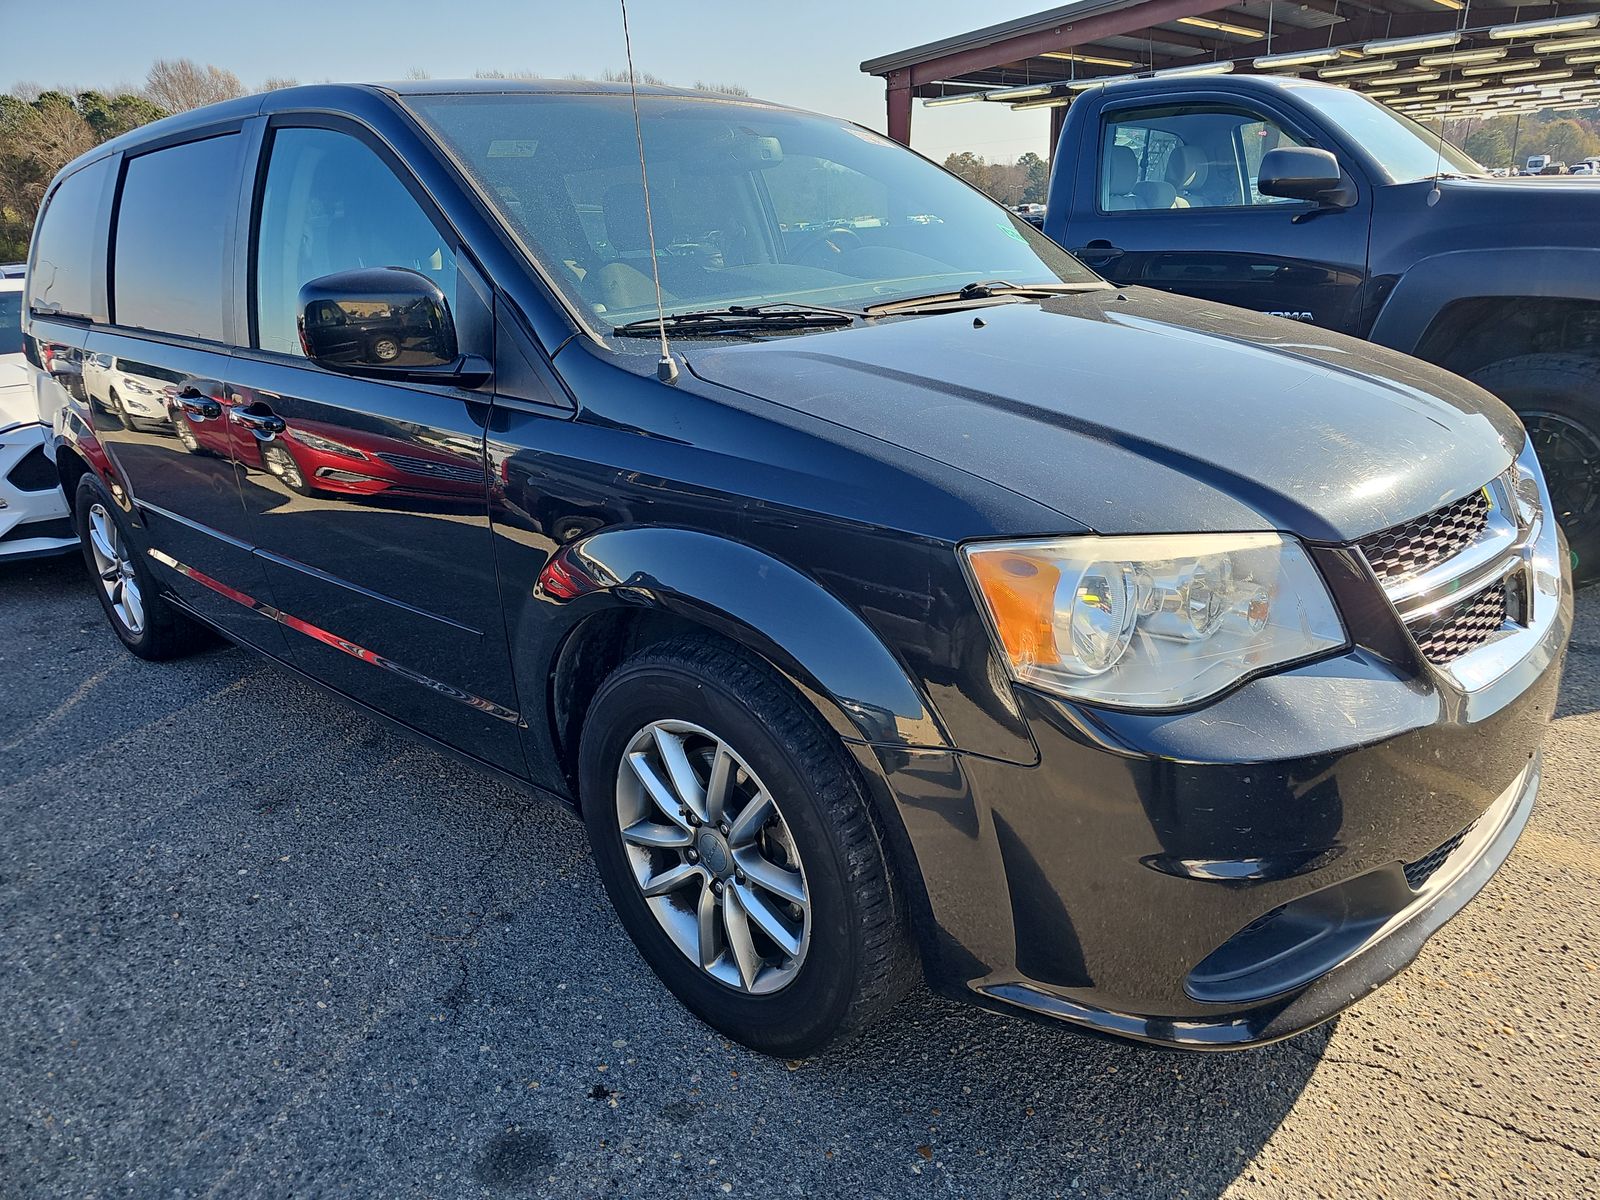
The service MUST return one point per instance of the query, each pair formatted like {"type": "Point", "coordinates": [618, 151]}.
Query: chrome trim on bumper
{"type": "Point", "coordinates": [1521, 551]}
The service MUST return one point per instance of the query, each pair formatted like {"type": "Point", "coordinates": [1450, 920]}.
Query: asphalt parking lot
{"type": "Point", "coordinates": [252, 944]}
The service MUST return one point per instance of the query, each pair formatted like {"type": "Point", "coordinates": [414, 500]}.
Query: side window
{"type": "Point", "coordinates": [1188, 157]}
{"type": "Point", "coordinates": [1255, 139]}
{"type": "Point", "coordinates": [171, 237]}
{"type": "Point", "coordinates": [331, 204]}
{"type": "Point", "coordinates": [60, 281]}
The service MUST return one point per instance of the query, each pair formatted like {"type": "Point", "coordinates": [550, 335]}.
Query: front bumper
{"type": "Point", "coordinates": [1236, 874]}
{"type": "Point", "coordinates": [34, 519]}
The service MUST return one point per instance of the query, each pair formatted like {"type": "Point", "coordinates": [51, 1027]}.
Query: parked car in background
{"type": "Point", "coordinates": [33, 513]}
{"type": "Point", "coordinates": [1313, 202]}
{"type": "Point", "coordinates": [1132, 662]}
{"type": "Point", "coordinates": [134, 394]}
{"type": "Point", "coordinates": [1583, 168]}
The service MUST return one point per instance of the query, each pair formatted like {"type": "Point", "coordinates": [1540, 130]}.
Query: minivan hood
{"type": "Point", "coordinates": [1139, 412]}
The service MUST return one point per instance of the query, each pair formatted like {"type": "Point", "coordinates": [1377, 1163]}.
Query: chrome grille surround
{"type": "Point", "coordinates": [1478, 582]}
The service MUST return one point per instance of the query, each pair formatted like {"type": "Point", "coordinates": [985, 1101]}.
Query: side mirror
{"type": "Point", "coordinates": [386, 323]}
{"type": "Point", "coordinates": [1304, 173]}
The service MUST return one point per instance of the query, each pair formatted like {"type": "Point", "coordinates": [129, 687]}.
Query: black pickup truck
{"type": "Point", "coordinates": [1318, 204]}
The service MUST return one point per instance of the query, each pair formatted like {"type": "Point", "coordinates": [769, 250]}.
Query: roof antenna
{"type": "Point", "coordinates": [666, 369]}
{"type": "Point", "coordinates": [1436, 194]}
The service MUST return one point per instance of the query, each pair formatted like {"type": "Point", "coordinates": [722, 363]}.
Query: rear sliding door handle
{"type": "Point", "coordinates": [265, 426]}
{"type": "Point", "coordinates": [198, 406]}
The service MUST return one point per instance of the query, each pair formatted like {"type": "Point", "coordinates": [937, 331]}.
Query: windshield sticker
{"type": "Point", "coordinates": [512, 148]}
{"type": "Point", "coordinates": [1010, 230]}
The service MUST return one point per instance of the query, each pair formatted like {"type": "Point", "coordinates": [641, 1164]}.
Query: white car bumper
{"type": "Point", "coordinates": [33, 513]}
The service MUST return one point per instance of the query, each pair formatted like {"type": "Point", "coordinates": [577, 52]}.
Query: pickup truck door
{"type": "Point", "coordinates": [1165, 196]}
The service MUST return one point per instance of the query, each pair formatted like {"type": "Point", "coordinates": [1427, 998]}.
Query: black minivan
{"type": "Point", "coordinates": [922, 602]}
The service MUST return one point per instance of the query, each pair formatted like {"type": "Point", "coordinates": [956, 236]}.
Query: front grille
{"type": "Point", "coordinates": [1419, 872]}
{"type": "Point", "coordinates": [1447, 635]}
{"type": "Point", "coordinates": [1418, 545]}
{"type": "Point", "coordinates": [34, 472]}
{"type": "Point", "coordinates": [433, 468]}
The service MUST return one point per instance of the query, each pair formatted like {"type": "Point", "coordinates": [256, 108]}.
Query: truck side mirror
{"type": "Point", "coordinates": [1305, 173]}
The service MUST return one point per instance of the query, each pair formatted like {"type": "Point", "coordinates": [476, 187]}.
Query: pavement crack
{"type": "Point", "coordinates": [1506, 1126]}
{"type": "Point", "coordinates": [462, 943]}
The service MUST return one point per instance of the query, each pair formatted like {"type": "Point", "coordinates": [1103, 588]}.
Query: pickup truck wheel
{"type": "Point", "coordinates": [738, 848]}
{"type": "Point", "coordinates": [1558, 398]}
{"type": "Point", "coordinates": [139, 615]}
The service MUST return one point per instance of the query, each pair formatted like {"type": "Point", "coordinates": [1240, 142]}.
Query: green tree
{"type": "Point", "coordinates": [1490, 146]}
{"type": "Point", "coordinates": [1038, 173]}
{"type": "Point", "coordinates": [42, 131]}
{"type": "Point", "coordinates": [1570, 142]}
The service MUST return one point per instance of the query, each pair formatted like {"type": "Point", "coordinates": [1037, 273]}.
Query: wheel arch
{"type": "Point", "coordinates": [1446, 298]}
{"type": "Point", "coordinates": [624, 588]}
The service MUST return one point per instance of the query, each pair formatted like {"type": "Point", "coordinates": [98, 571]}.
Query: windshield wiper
{"type": "Point", "coordinates": [741, 319]}
{"type": "Point", "coordinates": [989, 289]}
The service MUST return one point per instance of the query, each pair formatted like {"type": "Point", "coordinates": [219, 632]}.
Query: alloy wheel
{"type": "Point", "coordinates": [113, 563]}
{"type": "Point", "coordinates": [1569, 455]}
{"type": "Point", "coordinates": [713, 856]}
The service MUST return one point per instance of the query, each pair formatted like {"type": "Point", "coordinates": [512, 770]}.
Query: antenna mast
{"type": "Point", "coordinates": [666, 369]}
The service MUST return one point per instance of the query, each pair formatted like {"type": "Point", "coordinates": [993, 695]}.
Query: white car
{"type": "Point", "coordinates": [33, 512]}
{"type": "Point", "coordinates": [136, 399]}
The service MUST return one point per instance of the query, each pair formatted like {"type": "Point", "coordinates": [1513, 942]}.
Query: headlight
{"type": "Point", "coordinates": [325, 445]}
{"type": "Point", "coordinates": [1151, 622]}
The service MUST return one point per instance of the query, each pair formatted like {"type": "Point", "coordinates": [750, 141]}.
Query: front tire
{"type": "Point", "coordinates": [1558, 398]}
{"type": "Point", "coordinates": [771, 910]}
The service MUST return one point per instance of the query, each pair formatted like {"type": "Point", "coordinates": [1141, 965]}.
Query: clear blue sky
{"type": "Point", "coordinates": [807, 54]}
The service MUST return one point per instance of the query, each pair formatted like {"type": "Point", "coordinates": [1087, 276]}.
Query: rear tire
{"type": "Point", "coordinates": [853, 959]}
{"type": "Point", "coordinates": [140, 616]}
{"type": "Point", "coordinates": [1558, 398]}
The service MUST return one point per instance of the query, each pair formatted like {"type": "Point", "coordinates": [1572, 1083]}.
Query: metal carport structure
{"type": "Point", "coordinates": [1433, 58]}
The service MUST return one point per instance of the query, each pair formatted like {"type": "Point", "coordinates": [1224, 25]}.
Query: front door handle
{"type": "Point", "coordinates": [264, 425]}
{"type": "Point", "coordinates": [1100, 250]}
{"type": "Point", "coordinates": [199, 406]}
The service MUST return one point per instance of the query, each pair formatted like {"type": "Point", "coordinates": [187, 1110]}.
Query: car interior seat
{"type": "Point", "coordinates": [1122, 177]}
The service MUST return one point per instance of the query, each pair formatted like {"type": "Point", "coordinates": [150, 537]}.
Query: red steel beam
{"type": "Point", "coordinates": [1060, 37]}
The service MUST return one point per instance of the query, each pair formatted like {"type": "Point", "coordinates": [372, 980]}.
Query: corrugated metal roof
{"type": "Point", "coordinates": [1067, 14]}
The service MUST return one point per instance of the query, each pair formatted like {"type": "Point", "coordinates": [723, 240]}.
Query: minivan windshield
{"type": "Point", "coordinates": [1407, 151]}
{"type": "Point", "coordinates": [750, 204]}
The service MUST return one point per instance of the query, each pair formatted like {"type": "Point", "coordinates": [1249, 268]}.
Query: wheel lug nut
{"type": "Point", "coordinates": [716, 887]}
{"type": "Point", "coordinates": [694, 856]}
{"type": "Point", "coordinates": [739, 876]}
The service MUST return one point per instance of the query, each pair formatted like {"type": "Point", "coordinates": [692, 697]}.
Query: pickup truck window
{"type": "Point", "coordinates": [1177, 157]}
{"type": "Point", "coordinates": [751, 205]}
{"type": "Point", "coordinates": [1404, 149]}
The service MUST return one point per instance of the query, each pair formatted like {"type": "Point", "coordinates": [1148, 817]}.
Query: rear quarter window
{"type": "Point", "coordinates": [61, 280]}
{"type": "Point", "coordinates": [171, 238]}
